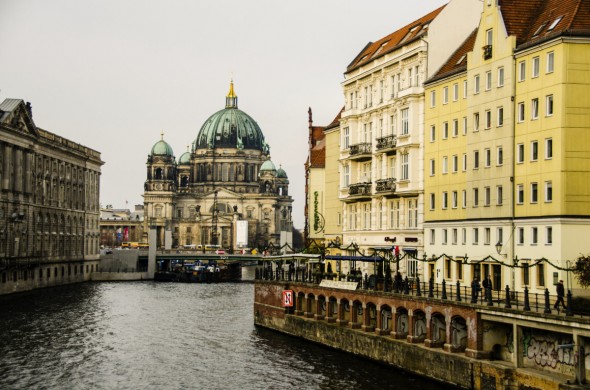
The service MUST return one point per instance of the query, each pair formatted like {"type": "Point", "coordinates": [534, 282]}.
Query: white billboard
{"type": "Point", "coordinates": [242, 234]}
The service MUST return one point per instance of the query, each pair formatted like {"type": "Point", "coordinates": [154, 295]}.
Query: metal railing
{"type": "Point", "coordinates": [502, 298]}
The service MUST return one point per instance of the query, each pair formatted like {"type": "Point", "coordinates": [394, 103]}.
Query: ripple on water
{"type": "Point", "coordinates": [146, 335]}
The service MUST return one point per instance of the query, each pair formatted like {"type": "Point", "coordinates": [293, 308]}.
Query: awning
{"type": "Point", "coordinates": [355, 258]}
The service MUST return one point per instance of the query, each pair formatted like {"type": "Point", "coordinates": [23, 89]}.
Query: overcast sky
{"type": "Point", "coordinates": [113, 75]}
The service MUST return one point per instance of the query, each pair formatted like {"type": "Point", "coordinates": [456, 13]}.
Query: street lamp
{"type": "Point", "coordinates": [499, 247]}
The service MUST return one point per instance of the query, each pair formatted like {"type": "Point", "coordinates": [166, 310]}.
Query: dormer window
{"type": "Point", "coordinates": [541, 27]}
{"type": "Point", "coordinates": [554, 24]}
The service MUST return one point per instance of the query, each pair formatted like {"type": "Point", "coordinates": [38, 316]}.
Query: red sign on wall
{"type": "Point", "coordinates": [288, 298]}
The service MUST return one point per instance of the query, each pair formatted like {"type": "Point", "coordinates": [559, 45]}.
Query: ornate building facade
{"type": "Point", "coordinates": [224, 192]}
{"type": "Point", "coordinates": [49, 204]}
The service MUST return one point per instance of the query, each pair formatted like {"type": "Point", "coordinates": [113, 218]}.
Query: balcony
{"type": "Point", "coordinates": [360, 151]}
{"type": "Point", "coordinates": [487, 52]}
{"type": "Point", "coordinates": [385, 186]}
{"type": "Point", "coordinates": [387, 144]}
{"type": "Point", "coordinates": [358, 191]}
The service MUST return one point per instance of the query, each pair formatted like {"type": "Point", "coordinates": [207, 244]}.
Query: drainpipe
{"type": "Point", "coordinates": [513, 177]}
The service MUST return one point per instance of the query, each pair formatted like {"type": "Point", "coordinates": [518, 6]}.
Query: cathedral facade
{"type": "Point", "coordinates": [223, 193]}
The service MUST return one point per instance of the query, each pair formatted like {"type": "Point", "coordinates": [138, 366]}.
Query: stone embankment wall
{"type": "Point", "coordinates": [454, 368]}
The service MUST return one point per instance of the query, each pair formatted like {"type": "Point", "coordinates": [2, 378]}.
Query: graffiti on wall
{"type": "Point", "coordinates": [542, 349]}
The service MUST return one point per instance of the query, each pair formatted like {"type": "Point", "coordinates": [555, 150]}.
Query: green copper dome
{"type": "Point", "coordinates": [231, 128]}
{"type": "Point", "coordinates": [268, 166]}
{"type": "Point", "coordinates": [161, 148]}
{"type": "Point", "coordinates": [281, 173]}
{"type": "Point", "coordinates": [185, 158]}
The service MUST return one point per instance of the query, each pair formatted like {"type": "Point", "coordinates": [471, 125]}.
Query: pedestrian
{"type": "Point", "coordinates": [487, 283]}
{"type": "Point", "coordinates": [560, 294]}
{"type": "Point", "coordinates": [475, 287]}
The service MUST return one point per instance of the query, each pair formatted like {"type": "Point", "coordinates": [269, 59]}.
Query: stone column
{"type": "Point", "coordinates": [367, 327]}
{"type": "Point", "coordinates": [340, 314]}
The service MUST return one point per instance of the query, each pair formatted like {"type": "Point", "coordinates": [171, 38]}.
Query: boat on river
{"type": "Point", "coordinates": [214, 272]}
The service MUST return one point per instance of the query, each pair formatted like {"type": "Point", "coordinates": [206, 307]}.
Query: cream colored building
{"type": "Point", "coordinates": [382, 132]}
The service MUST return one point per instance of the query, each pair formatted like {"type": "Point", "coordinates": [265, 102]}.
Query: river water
{"type": "Point", "coordinates": [147, 335]}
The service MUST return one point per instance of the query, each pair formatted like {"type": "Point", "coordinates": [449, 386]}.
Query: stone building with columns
{"type": "Point", "coordinates": [49, 204]}
{"type": "Point", "coordinates": [224, 192]}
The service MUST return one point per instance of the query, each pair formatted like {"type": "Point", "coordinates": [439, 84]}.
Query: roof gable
{"type": "Point", "coordinates": [15, 114]}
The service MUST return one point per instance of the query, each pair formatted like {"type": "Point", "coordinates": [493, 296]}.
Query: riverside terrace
{"type": "Point", "coordinates": [519, 335]}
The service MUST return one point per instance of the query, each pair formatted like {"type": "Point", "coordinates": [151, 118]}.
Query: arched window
{"type": "Point", "coordinates": [158, 175]}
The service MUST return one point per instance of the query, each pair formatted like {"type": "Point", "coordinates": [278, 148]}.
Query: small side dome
{"type": "Point", "coordinates": [185, 158]}
{"type": "Point", "coordinates": [281, 173]}
{"type": "Point", "coordinates": [267, 166]}
{"type": "Point", "coordinates": [161, 148]}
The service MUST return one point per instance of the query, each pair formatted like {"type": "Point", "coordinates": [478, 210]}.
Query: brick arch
{"type": "Point", "coordinates": [401, 323]}
{"type": "Point", "coordinates": [418, 327]}
{"type": "Point", "coordinates": [459, 334]}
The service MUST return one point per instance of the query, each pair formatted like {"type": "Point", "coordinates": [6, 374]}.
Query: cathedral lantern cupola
{"type": "Point", "coordinates": [231, 100]}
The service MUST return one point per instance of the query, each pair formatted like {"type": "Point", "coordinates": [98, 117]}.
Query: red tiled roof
{"type": "Point", "coordinates": [386, 44]}
{"type": "Point", "coordinates": [317, 156]}
{"type": "Point", "coordinates": [336, 121]}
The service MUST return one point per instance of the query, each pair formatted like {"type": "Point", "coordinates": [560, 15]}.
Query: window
{"type": "Point", "coordinates": [464, 125]}
{"type": "Point", "coordinates": [487, 236]}
{"type": "Point", "coordinates": [486, 196]}
{"type": "Point", "coordinates": [464, 89]}
{"type": "Point", "coordinates": [346, 175]}
{"type": "Point", "coordinates": [454, 238]}
{"type": "Point", "coordinates": [392, 125]}
{"type": "Point", "coordinates": [548, 235]}
{"type": "Point", "coordinates": [405, 121]}
{"type": "Point", "coordinates": [476, 121]}
{"type": "Point", "coordinates": [444, 237]}
{"type": "Point", "coordinates": [554, 23]}
{"type": "Point", "coordinates": [475, 236]}
{"type": "Point", "coordinates": [463, 236]}
{"type": "Point", "coordinates": [500, 77]}
{"type": "Point", "coordinates": [476, 159]}
{"type": "Point", "coordinates": [445, 95]}
{"type": "Point", "coordinates": [475, 197]}
{"type": "Point", "coordinates": [535, 69]}
{"type": "Point", "coordinates": [535, 108]}
{"type": "Point", "coordinates": [550, 62]}
{"type": "Point", "coordinates": [534, 193]}
{"type": "Point", "coordinates": [455, 163]}
{"type": "Point", "coordinates": [413, 214]}
{"type": "Point", "coordinates": [541, 275]}
{"type": "Point", "coordinates": [432, 167]}
{"type": "Point", "coordinates": [455, 199]}
{"type": "Point", "coordinates": [488, 114]}
{"type": "Point", "coordinates": [346, 138]}
{"type": "Point", "coordinates": [432, 98]}
{"type": "Point", "coordinates": [476, 84]}
{"type": "Point", "coordinates": [534, 150]}
{"type": "Point", "coordinates": [405, 166]}
{"type": "Point", "coordinates": [520, 153]}
{"type": "Point", "coordinates": [432, 201]}
{"type": "Point", "coordinates": [521, 112]}
{"type": "Point", "coordinates": [410, 77]}
{"type": "Point", "coordinates": [520, 236]}
{"type": "Point", "coordinates": [432, 133]}
{"type": "Point", "coordinates": [520, 194]}
{"type": "Point", "coordinates": [549, 148]}
{"type": "Point", "coordinates": [455, 127]}
{"type": "Point", "coordinates": [464, 162]}
{"type": "Point", "coordinates": [487, 157]}
{"type": "Point", "coordinates": [549, 105]}
{"type": "Point", "coordinates": [499, 156]}
{"type": "Point", "coordinates": [432, 236]}
{"type": "Point", "coordinates": [521, 70]}
{"type": "Point", "coordinates": [534, 237]}
{"type": "Point", "coordinates": [488, 80]}
{"type": "Point", "coordinates": [499, 195]}
{"type": "Point", "coordinates": [499, 236]}
{"type": "Point", "coordinates": [500, 116]}
{"type": "Point", "coordinates": [455, 92]}
{"type": "Point", "coordinates": [445, 130]}
{"type": "Point", "coordinates": [525, 273]}
{"type": "Point", "coordinates": [464, 198]}
{"type": "Point", "coordinates": [445, 200]}
{"type": "Point", "coordinates": [548, 192]}
{"type": "Point", "coordinates": [445, 165]}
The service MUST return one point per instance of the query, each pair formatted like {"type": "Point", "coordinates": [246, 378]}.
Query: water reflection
{"type": "Point", "coordinates": [166, 336]}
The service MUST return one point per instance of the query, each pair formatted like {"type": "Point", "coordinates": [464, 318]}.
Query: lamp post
{"type": "Point", "coordinates": [499, 247]}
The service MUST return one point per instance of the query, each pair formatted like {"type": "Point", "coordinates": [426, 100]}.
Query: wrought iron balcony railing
{"type": "Point", "coordinates": [385, 185]}
{"type": "Point", "coordinates": [387, 142]}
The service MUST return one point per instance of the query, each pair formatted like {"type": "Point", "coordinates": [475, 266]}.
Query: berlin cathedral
{"type": "Point", "coordinates": [225, 192]}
